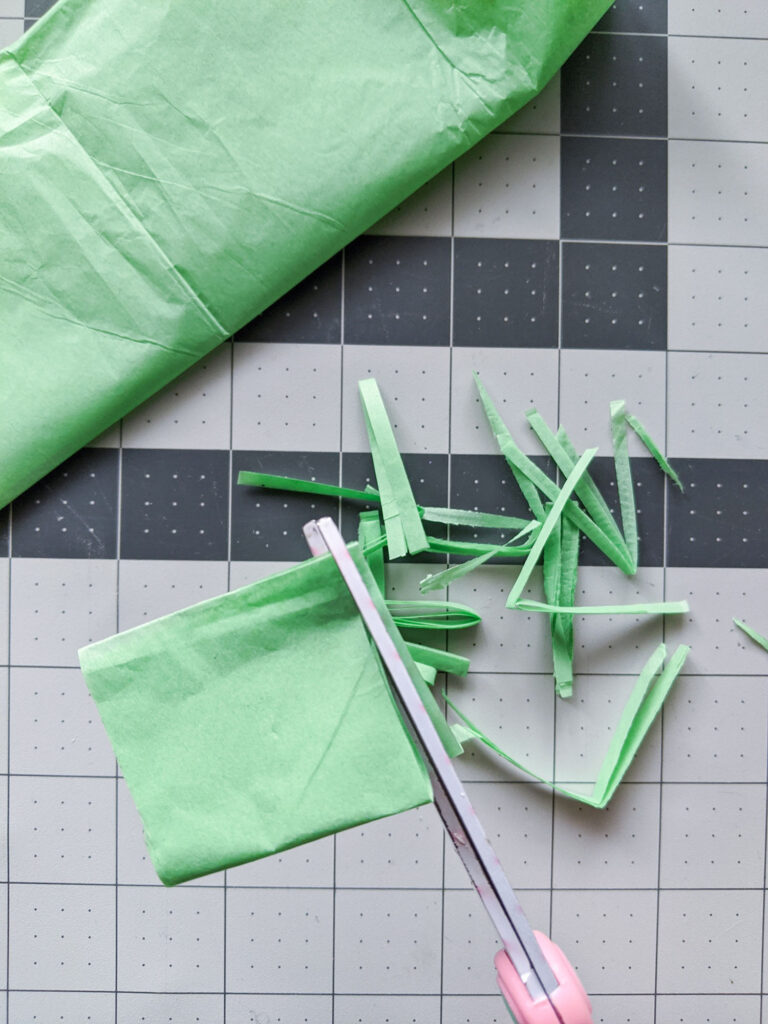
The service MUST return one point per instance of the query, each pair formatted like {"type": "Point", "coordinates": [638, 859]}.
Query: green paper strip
{"type": "Point", "coordinates": [653, 448]}
{"type": "Point", "coordinates": [442, 579]}
{"type": "Point", "coordinates": [368, 535]}
{"type": "Point", "coordinates": [443, 661]}
{"type": "Point", "coordinates": [645, 701]}
{"type": "Point", "coordinates": [551, 520]}
{"type": "Point", "coordinates": [428, 672]}
{"type": "Point", "coordinates": [527, 474]}
{"type": "Point", "coordinates": [562, 625]}
{"type": "Point", "coordinates": [551, 567]}
{"type": "Point", "coordinates": [441, 545]}
{"type": "Point", "coordinates": [624, 483]}
{"type": "Point", "coordinates": [432, 615]}
{"type": "Point", "coordinates": [439, 580]}
{"type": "Point", "coordinates": [517, 460]}
{"type": "Point", "coordinates": [481, 520]}
{"type": "Point", "coordinates": [553, 578]}
{"type": "Point", "coordinates": [752, 633]}
{"type": "Point", "coordinates": [552, 571]}
{"type": "Point", "coordinates": [287, 483]}
{"type": "Point", "coordinates": [402, 523]}
{"type": "Point", "coordinates": [586, 490]}
{"type": "Point", "coordinates": [643, 608]}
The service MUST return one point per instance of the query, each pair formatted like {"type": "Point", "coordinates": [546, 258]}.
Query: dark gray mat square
{"type": "Point", "coordinates": [4, 536]}
{"type": "Point", "coordinates": [614, 296]}
{"type": "Point", "coordinates": [266, 524]}
{"type": "Point", "coordinates": [635, 16]}
{"type": "Point", "coordinates": [36, 8]}
{"type": "Point", "coordinates": [72, 512]}
{"type": "Point", "coordinates": [505, 292]}
{"type": "Point", "coordinates": [175, 504]}
{"type": "Point", "coordinates": [614, 189]}
{"type": "Point", "coordinates": [720, 520]}
{"type": "Point", "coordinates": [616, 85]}
{"type": "Point", "coordinates": [485, 483]}
{"type": "Point", "coordinates": [397, 291]}
{"type": "Point", "coordinates": [310, 313]}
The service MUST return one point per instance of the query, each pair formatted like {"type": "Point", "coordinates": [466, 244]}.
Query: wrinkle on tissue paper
{"type": "Point", "coordinates": [172, 168]}
{"type": "Point", "coordinates": [255, 721]}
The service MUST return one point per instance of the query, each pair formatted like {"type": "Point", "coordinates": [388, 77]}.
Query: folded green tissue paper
{"type": "Point", "coordinates": [253, 722]}
{"type": "Point", "coordinates": [171, 168]}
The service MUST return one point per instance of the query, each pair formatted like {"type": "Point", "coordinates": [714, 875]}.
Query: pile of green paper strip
{"type": "Point", "coordinates": [560, 514]}
{"type": "Point", "coordinates": [171, 169]}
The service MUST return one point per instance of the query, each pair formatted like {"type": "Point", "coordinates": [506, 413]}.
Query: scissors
{"type": "Point", "coordinates": [536, 980]}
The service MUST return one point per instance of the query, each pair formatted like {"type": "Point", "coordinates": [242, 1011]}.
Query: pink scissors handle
{"type": "Point", "coordinates": [569, 999]}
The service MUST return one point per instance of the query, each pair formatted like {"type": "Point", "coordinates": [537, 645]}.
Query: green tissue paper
{"type": "Point", "coordinates": [253, 722]}
{"type": "Point", "coordinates": [172, 167]}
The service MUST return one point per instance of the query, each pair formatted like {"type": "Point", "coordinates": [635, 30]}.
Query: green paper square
{"type": "Point", "coordinates": [253, 722]}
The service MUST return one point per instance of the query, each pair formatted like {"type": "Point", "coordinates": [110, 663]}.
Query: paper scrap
{"type": "Point", "coordinates": [752, 634]}
{"type": "Point", "coordinates": [402, 523]}
{"type": "Point", "coordinates": [272, 481]}
{"type": "Point", "coordinates": [645, 701]}
{"type": "Point", "coordinates": [653, 448]}
{"type": "Point", "coordinates": [443, 661]}
{"type": "Point", "coordinates": [642, 608]}
{"type": "Point", "coordinates": [442, 579]}
{"type": "Point", "coordinates": [624, 482]}
{"type": "Point", "coordinates": [432, 615]}
{"type": "Point", "coordinates": [481, 520]}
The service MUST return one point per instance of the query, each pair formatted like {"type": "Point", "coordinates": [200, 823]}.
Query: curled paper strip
{"type": "Point", "coordinates": [432, 615]}
{"type": "Point", "coordinates": [645, 701]}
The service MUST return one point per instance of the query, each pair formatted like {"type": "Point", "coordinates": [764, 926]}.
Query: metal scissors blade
{"type": "Point", "coordinates": [454, 807]}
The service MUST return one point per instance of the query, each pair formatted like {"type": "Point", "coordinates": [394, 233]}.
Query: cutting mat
{"type": "Point", "coordinates": [608, 242]}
